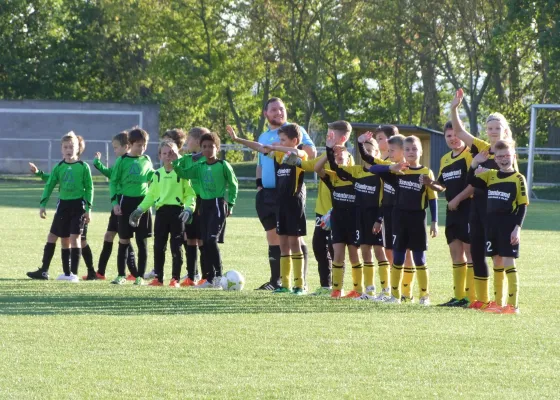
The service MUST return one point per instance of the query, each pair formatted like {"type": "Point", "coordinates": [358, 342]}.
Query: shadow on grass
{"type": "Point", "coordinates": [163, 301]}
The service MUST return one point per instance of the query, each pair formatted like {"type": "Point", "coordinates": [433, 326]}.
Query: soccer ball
{"type": "Point", "coordinates": [233, 280]}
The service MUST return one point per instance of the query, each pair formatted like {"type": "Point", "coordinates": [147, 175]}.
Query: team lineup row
{"type": "Point", "coordinates": [378, 208]}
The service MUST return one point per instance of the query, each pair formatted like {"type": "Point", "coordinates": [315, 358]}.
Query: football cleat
{"type": "Point", "coordinates": [424, 301]}
{"type": "Point", "coordinates": [282, 290]}
{"type": "Point", "coordinates": [131, 278]}
{"type": "Point", "coordinates": [99, 276]}
{"type": "Point", "coordinates": [155, 282]}
{"type": "Point", "coordinates": [383, 296]}
{"type": "Point", "coordinates": [298, 291]}
{"type": "Point", "coordinates": [337, 294]}
{"type": "Point", "coordinates": [217, 282]}
{"type": "Point", "coordinates": [119, 280]}
{"type": "Point", "coordinates": [322, 292]}
{"type": "Point", "coordinates": [365, 296]}
{"type": "Point", "coordinates": [405, 299]}
{"type": "Point", "coordinates": [150, 275]}
{"type": "Point", "coordinates": [68, 278]}
{"type": "Point", "coordinates": [477, 305]}
{"type": "Point", "coordinates": [174, 283]}
{"type": "Point", "coordinates": [352, 295]}
{"type": "Point", "coordinates": [509, 309]}
{"type": "Point", "coordinates": [139, 281]}
{"type": "Point", "coordinates": [91, 276]}
{"type": "Point", "coordinates": [203, 284]}
{"type": "Point", "coordinates": [392, 300]}
{"type": "Point", "coordinates": [267, 286]}
{"type": "Point", "coordinates": [370, 290]}
{"type": "Point", "coordinates": [39, 275]}
{"type": "Point", "coordinates": [450, 303]}
{"type": "Point", "coordinates": [492, 308]}
{"type": "Point", "coordinates": [188, 282]}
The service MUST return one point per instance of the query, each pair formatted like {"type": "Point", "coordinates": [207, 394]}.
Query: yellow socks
{"type": "Point", "coordinates": [482, 288]}
{"type": "Point", "coordinates": [513, 286]}
{"type": "Point", "coordinates": [469, 285]}
{"type": "Point", "coordinates": [297, 261]}
{"type": "Point", "coordinates": [408, 281]}
{"type": "Point", "coordinates": [423, 280]}
{"type": "Point", "coordinates": [369, 276]}
{"type": "Point", "coordinates": [337, 276]}
{"type": "Point", "coordinates": [358, 278]}
{"type": "Point", "coordinates": [459, 280]}
{"type": "Point", "coordinates": [286, 270]}
{"type": "Point", "coordinates": [396, 277]}
{"type": "Point", "coordinates": [384, 274]}
{"type": "Point", "coordinates": [499, 280]}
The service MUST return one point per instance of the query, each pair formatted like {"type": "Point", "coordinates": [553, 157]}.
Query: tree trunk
{"type": "Point", "coordinates": [431, 101]}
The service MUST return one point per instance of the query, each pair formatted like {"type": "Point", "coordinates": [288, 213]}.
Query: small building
{"type": "Point", "coordinates": [433, 142]}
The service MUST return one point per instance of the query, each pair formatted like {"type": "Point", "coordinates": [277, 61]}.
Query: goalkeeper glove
{"type": "Point", "coordinates": [326, 221]}
{"type": "Point", "coordinates": [291, 158]}
{"type": "Point", "coordinates": [186, 216]}
{"type": "Point", "coordinates": [135, 217]}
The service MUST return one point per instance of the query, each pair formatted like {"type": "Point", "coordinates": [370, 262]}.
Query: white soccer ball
{"type": "Point", "coordinates": [233, 280]}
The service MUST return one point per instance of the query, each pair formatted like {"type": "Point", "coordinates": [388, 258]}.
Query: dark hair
{"type": "Point", "coordinates": [122, 138]}
{"type": "Point", "coordinates": [448, 125]}
{"type": "Point", "coordinates": [397, 140]}
{"type": "Point", "coordinates": [292, 131]}
{"type": "Point", "coordinates": [177, 135]}
{"type": "Point", "coordinates": [271, 100]}
{"type": "Point", "coordinates": [388, 130]}
{"type": "Point", "coordinates": [198, 131]}
{"type": "Point", "coordinates": [340, 126]}
{"type": "Point", "coordinates": [505, 144]}
{"type": "Point", "coordinates": [137, 134]}
{"type": "Point", "coordinates": [211, 137]}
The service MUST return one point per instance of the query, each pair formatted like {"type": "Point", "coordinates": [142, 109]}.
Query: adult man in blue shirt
{"type": "Point", "coordinates": [275, 113]}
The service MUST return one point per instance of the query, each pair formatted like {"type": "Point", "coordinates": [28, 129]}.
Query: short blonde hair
{"type": "Point", "coordinates": [72, 137]}
{"type": "Point", "coordinates": [413, 140]}
{"type": "Point", "coordinates": [502, 120]}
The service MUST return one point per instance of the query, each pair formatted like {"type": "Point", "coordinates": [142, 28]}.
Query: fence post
{"type": "Point", "coordinates": [531, 158]}
{"type": "Point", "coordinates": [50, 156]}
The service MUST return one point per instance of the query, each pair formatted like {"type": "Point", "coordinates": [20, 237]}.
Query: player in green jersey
{"type": "Point", "coordinates": [48, 250]}
{"type": "Point", "coordinates": [175, 201]}
{"type": "Point", "coordinates": [130, 178]}
{"type": "Point", "coordinates": [215, 178]}
{"type": "Point", "coordinates": [73, 209]}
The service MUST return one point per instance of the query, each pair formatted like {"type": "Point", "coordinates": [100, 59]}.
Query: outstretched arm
{"type": "Point", "coordinates": [248, 143]}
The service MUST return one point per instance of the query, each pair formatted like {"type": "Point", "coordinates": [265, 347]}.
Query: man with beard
{"type": "Point", "coordinates": [275, 113]}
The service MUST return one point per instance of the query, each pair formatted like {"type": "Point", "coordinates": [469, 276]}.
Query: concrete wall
{"type": "Point", "coordinates": [40, 120]}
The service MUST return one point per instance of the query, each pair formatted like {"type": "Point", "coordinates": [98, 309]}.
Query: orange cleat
{"type": "Point", "coordinates": [188, 282]}
{"type": "Point", "coordinates": [201, 282]}
{"type": "Point", "coordinates": [337, 294]}
{"type": "Point", "coordinates": [174, 283]}
{"type": "Point", "coordinates": [477, 305]}
{"type": "Point", "coordinates": [99, 276]}
{"type": "Point", "coordinates": [155, 282]}
{"type": "Point", "coordinates": [352, 295]}
{"type": "Point", "coordinates": [130, 277]}
{"type": "Point", "coordinates": [509, 309]}
{"type": "Point", "coordinates": [492, 308]}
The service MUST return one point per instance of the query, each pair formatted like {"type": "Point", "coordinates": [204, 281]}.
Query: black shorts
{"type": "Point", "coordinates": [457, 226]}
{"type": "Point", "coordinates": [498, 236]}
{"type": "Point", "coordinates": [213, 214]}
{"type": "Point", "coordinates": [168, 222]}
{"type": "Point", "coordinates": [387, 228]}
{"type": "Point", "coordinates": [344, 226]}
{"type": "Point", "coordinates": [68, 218]}
{"type": "Point", "coordinates": [409, 230]}
{"type": "Point", "coordinates": [367, 217]}
{"type": "Point", "coordinates": [266, 205]}
{"type": "Point", "coordinates": [290, 216]}
{"type": "Point", "coordinates": [144, 228]}
{"type": "Point", "coordinates": [113, 225]}
{"type": "Point", "coordinates": [193, 229]}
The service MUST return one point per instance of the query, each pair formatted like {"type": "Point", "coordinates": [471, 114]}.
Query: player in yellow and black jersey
{"type": "Point", "coordinates": [506, 204]}
{"type": "Point", "coordinates": [369, 193]}
{"type": "Point", "coordinates": [409, 218]}
{"type": "Point", "coordinates": [452, 178]}
{"type": "Point", "coordinates": [497, 128]}
{"type": "Point", "coordinates": [290, 213]}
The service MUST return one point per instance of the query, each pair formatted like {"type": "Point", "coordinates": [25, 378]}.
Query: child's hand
{"type": "Point", "coordinates": [231, 133]}
{"type": "Point", "coordinates": [433, 229]}
{"type": "Point", "coordinates": [33, 168]}
{"type": "Point", "coordinates": [117, 210]}
{"type": "Point", "coordinates": [268, 148]}
{"type": "Point", "coordinates": [453, 204]}
{"type": "Point", "coordinates": [456, 102]}
{"type": "Point", "coordinates": [365, 137]}
{"type": "Point", "coordinates": [229, 210]}
{"type": "Point", "coordinates": [186, 216]}
{"type": "Point", "coordinates": [331, 141]}
{"type": "Point", "coordinates": [398, 168]}
{"type": "Point", "coordinates": [480, 158]}
{"type": "Point", "coordinates": [426, 180]}
{"type": "Point", "coordinates": [376, 227]}
{"type": "Point", "coordinates": [291, 158]}
{"type": "Point", "coordinates": [175, 153]}
{"type": "Point", "coordinates": [135, 217]}
{"type": "Point", "coordinates": [480, 170]}
{"type": "Point", "coordinates": [87, 217]}
{"type": "Point", "coordinates": [42, 213]}
{"type": "Point", "coordinates": [515, 235]}
{"type": "Point", "coordinates": [97, 156]}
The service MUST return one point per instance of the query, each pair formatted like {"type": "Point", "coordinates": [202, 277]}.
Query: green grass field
{"type": "Point", "coordinates": [96, 340]}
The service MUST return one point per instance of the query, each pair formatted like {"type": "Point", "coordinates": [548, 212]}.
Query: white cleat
{"type": "Point", "coordinates": [150, 275]}
{"type": "Point", "coordinates": [365, 296]}
{"type": "Point", "coordinates": [217, 282]}
{"type": "Point", "coordinates": [370, 290]}
{"type": "Point", "coordinates": [68, 278]}
{"type": "Point", "coordinates": [424, 301]}
{"type": "Point", "coordinates": [392, 300]}
{"type": "Point", "coordinates": [383, 296]}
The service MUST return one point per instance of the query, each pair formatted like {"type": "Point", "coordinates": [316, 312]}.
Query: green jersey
{"type": "Point", "coordinates": [74, 182]}
{"type": "Point", "coordinates": [214, 179]}
{"type": "Point", "coordinates": [130, 177]}
{"type": "Point", "coordinates": [187, 161]}
{"type": "Point", "coordinates": [167, 189]}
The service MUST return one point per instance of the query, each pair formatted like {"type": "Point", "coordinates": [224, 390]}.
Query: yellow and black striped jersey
{"type": "Point", "coordinates": [453, 172]}
{"type": "Point", "coordinates": [324, 202]}
{"type": "Point", "coordinates": [506, 190]}
{"type": "Point", "coordinates": [342, 191]}
{"type": "Point", "coordinates": [480, 145]}
{"type": "Point", "coordinates": [411, 194]}
{"type": "Point", "coordinates": [289, 178]}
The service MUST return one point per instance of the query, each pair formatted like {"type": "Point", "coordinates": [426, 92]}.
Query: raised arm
{"type": "Point", "coordinates": [248, 143]}
{"type": "Point", "coordinates": [458, 127]}
{"type": "Point", "coordinates": [365, 156]}
{"type": "Point", "coordinates": [341, 172]}
{"type": "Point", "coordinates": [105, 171]}
{"type": "Point", "coordinates": [283, 149]}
